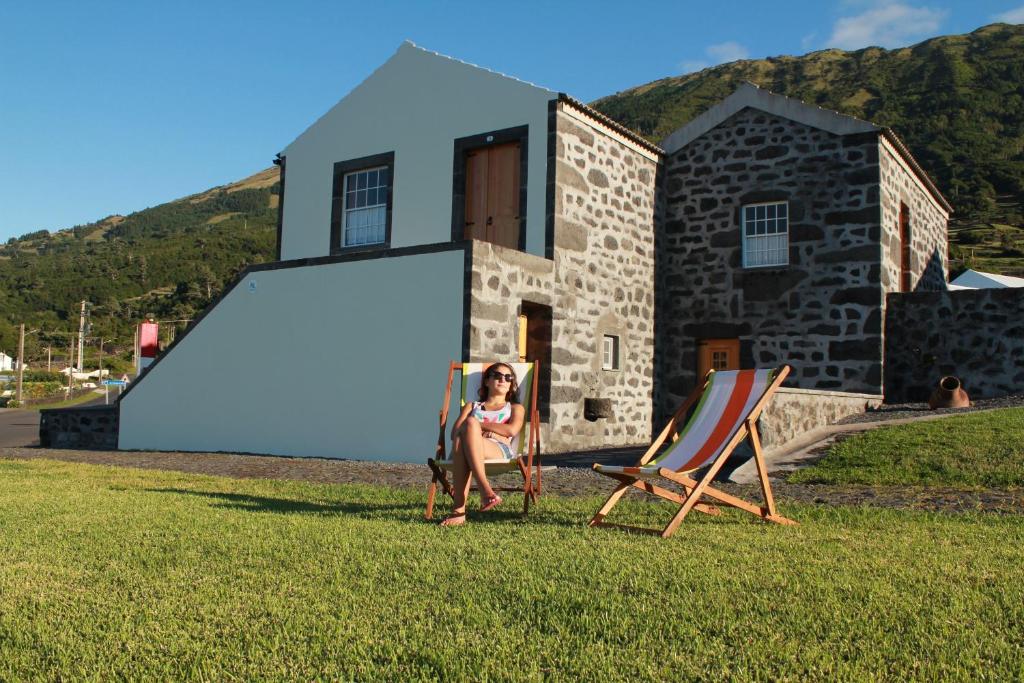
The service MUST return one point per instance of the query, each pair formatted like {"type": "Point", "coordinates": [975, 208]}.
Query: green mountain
{"type": "Point", "coordinates": [957, 101]}
{"type": "Point", "coordinates": [168, 262]}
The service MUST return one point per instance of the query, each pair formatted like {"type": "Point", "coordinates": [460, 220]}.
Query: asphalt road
{"type": "Point", "coordinates": [18, 428]}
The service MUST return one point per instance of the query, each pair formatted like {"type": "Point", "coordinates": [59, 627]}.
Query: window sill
{"type": "Point", "coordinates": [379, 246]}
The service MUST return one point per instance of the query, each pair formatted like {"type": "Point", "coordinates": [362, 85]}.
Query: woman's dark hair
{"type": "Point", "coordinates": [513, 388]}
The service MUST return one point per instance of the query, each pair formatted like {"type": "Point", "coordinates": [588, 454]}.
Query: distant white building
{"type": "Point", "coordinates": [6, 362]}
{"type": "Point", "coordinates": [973, 279]}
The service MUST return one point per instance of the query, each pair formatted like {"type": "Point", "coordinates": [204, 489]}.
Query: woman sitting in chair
{"type": "Point", "coordinates": [484, 431]}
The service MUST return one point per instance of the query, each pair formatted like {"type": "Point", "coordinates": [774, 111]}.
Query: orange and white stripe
{"type": "Point", "coordinates": [730, 397]}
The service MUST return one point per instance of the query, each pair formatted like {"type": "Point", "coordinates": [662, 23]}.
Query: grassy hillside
{"type": "Point", "coordinates": [167, 261]}
{"type": "Point", "coordinates": [957, 101]}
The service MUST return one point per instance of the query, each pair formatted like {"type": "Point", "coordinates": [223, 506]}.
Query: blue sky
{"type": "Point", "coordinates": [110, 107]}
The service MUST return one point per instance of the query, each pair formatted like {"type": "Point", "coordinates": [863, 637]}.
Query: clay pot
{"type": "Point", "coordinates": [949, 394]}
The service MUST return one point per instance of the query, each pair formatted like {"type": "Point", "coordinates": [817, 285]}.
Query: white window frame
{"type": "Point", "coordinates": [768, 230]}
{"type": "Point", "coordinates": [611, 347]}
{"type": "Point", "coordinates": [377, 211]}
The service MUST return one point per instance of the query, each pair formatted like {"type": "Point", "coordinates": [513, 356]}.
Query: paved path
{"type": "Point", "coordinates": [18, 428]}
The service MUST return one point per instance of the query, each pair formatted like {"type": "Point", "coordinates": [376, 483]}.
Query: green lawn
{"type": "Point", "coordinates": [84, 398]}
{"type": "Point", "coordinates": [983, 449]}
{"type": "Point", "coordinates": [117, 573]}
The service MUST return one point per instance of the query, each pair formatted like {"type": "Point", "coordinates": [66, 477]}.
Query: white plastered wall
{"type": "Point", "coordinates": [345, 360]}
{"type": "Point", "coordinates": [415, 105]}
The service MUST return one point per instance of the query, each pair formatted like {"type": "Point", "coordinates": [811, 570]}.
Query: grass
{"type": "Point", "coordinates": [118, 573]}
{"type": "Point", "coordinates": [84, 398]}
{"type": "Point", "coordinates": [984, 449]}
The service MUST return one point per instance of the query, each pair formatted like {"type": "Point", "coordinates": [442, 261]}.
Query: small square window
{"type": "Point", "coordinates": [765, 233]}
{"type": "Point", "coordinates": [610, 355]}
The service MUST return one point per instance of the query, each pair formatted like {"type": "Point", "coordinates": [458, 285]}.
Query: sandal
{"type": "Point", "coordinates": [490, 503]}
{"type": "Point", "coordinates": [454, 519]}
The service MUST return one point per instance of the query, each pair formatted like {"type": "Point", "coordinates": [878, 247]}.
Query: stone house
{"type": "Point", "coordinates": [785, 227]}
{"type": "Point", "coordinates": [439, 211]}
{"type": "Point", "coordinates": [443, 211]}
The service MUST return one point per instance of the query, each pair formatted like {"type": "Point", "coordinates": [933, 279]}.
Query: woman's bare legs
{"type": "Point", "coordinates": [460, 473]}
{"type": "Point", "coordinates": [469, 450]}
{"type": "Point", "coordinates": [475, 449]}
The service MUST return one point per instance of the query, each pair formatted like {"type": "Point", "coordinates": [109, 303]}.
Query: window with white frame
{"type": "Point", "coordinates": [366, 206]}
{"type": "Point", "coordinates": [610, 355]}
{"type": "Point", "coordinates": [766, 234]}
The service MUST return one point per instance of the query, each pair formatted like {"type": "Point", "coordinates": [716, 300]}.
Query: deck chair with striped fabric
{"type": "Point", "coordinates": [525, 446]}
{"type": "Point", "coordinates": [728, 404]}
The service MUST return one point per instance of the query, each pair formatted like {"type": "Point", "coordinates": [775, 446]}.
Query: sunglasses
{"type": "Point", "coordinates": [500, 376]}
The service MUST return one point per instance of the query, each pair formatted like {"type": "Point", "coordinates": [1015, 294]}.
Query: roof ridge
{"type": "Point", "coordinates": [475, 66]}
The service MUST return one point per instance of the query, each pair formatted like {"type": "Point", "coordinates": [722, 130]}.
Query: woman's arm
{"type": "Point", "coordinates": [510, 428]}
{"type": "Point", "coordinates": [466, 410]}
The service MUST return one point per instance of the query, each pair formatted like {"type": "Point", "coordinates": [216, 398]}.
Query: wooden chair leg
{"type": "Point", "coordinates": [694, 496]}
{"type": "Point", "coordinates": [762, 471]}
{"type": "Point", "coordinates": [609, 504]}
{"type": "Point", "coordinates": [431, 492]}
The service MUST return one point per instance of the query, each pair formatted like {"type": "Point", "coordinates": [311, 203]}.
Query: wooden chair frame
{"type": "Point", "coordinates": [528, 464]}
{"type": "Point", "coordinates": [693, 490]}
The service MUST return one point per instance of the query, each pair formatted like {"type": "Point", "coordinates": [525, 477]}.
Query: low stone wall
{"type": "Point", "coordinates": [976, 335]}
{"type": "Point", "coordinates": [92, 427]}
{"type": "Point", "coordinates": [794, 413]}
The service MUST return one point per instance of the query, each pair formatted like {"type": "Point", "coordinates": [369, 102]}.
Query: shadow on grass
{"type": "Point", "coordinates": [511, 510]}
{"type": "Point", "coordinates": [238, 501]}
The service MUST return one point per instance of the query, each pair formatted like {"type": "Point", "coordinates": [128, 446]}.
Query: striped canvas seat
{"type": "Point", "coordinates": [725, 404]}
{"type": "Point", "coordinates": [725, 411]}
{"type": "Point", "coordinates": [525, 445]}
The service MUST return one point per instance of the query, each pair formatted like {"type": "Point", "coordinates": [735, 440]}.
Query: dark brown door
{"type": "Point", "coordinates": [906, 274]}
{"type": "Point", "coordinates": [717, 354]}
{"type": "Point", "coordinates": [492, 194]}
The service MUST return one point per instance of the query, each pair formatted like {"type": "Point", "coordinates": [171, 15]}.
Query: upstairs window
{"type": "Point", "coordinates": [765, 234]}
{"type": "Point", "coordinates": [366, 207]}
{"type": "Point", "coordinates": [361, 203]}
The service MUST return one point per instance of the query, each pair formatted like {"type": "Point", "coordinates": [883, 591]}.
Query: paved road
{"type": "Point", "coordinates": [19, 428]}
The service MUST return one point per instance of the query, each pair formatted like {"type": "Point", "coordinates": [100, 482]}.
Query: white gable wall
{"type": "Point", "coordinates": [287, 364]}
{"type": "Point", "coordinates": [416, 104]}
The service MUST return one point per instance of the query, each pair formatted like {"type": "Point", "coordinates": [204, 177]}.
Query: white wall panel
{"type": "Point", "coordinates": [344, 360]}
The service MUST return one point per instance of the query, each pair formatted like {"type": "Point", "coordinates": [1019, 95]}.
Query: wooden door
{"type": "Point", "coordinates": [717, 354]}
{"type": "Point", "coordinates": [492, 194]}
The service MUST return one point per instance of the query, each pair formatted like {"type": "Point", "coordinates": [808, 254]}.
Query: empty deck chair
{"type": "Point", "coordinates": [728, 405]}
{"type": "Point", "coordinates": [525, 446]}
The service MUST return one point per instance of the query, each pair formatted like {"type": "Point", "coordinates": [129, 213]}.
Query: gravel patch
{"type": "Point", "coordinates": [902, 411]}
{"type": "Point", "coordinates": [561, 481]}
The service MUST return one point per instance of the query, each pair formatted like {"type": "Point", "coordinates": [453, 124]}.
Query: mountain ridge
{"type": "Point", "coordinates": [957, 101]}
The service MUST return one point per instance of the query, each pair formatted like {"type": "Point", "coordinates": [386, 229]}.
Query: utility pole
{"type": "Point", "coordinates": [81, 334]}
{"type": "Point", "coordinates": [71, 370]}
{"type": "Point", "coordinates": [21, 359]}
{"type": "Point", "coordinates": [48, 358]}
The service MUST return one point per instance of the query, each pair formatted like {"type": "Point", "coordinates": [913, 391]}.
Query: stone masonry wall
{"type": "Point", "coordinates": [600, 281]}
{"type": "Point", "coordinates": [822, 312]}
{"type": "Point", "coordinates": [794, 413]}
{"type": "Point", "coordinates": [976, 335]}
{"type": "Point", "coordinates": [91, 427]}
{"type": "Point", "coordinates": [929, 222]}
